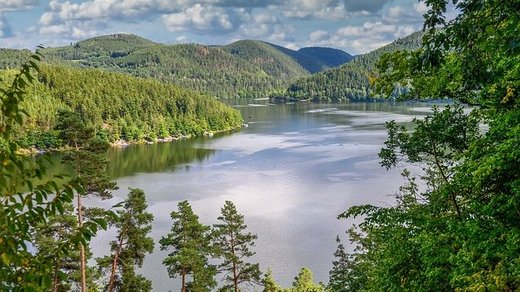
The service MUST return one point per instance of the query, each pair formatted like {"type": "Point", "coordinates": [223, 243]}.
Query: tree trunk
{"type": "Point", "coordinates": [183, 280]}
{"type": "Point", "coordinates": [55, 281]}
{"type": "Point", "coordinates": [82, 249]}
{"type": "Point", "coordinates": [235, 278]}
{"type": "Point", "coordinates": [114, 265]}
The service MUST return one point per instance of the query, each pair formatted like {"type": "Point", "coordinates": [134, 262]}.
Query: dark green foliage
{"type": "Point", "coordinates": [190, 247]}
{"type": "Point", "coordinates": [233, 247]}
{"type": "Point", "coordinates": [341, 276]}
{"type": "Point", "coordinates": [463, 232]}
{"type": "Point", "coordinates": [350, 81]}
{"type": "Point", "coordinates": [133, 225]}
{"type": "Point", "coordinates": [54, 241]}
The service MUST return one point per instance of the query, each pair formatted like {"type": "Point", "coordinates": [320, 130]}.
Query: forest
{"type": "Point", "coordinates": [116, 106]}
{"type": "Point", "coordinates": [350, 81]}
{"type": "Point", "coordinates": [460, 233]}
{"type": "Point", "coordinates": [246, 68]}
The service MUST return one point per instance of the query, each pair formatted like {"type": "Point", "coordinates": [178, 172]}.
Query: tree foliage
{"type": "Point", "coordinates": [233, 245]}
{"type": "Point", "coordinates": [133, 225]}
{"type": "Point", "coordinates": [350, 81]}
{"type": "Point", "coordinates": [115, 106]}
{"type": "Point", "coordinates": [190, 247]}
{"type": "Point", "coordinates": [462, 232]}
{"type": "Point", "coordinates": [27, 201]}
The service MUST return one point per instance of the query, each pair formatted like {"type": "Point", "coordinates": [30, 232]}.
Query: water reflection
{"type": "Point", "coordinates": [155, 157]}
{"type": "Point", "coordinates": [290, 172]}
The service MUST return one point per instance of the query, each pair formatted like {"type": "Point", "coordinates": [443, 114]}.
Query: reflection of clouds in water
{"type": "Point", "coordinates": [321, 110]}
{"type": "Point", "coordinates": [290, 185]}
{"type": "Point", "coordinates": [250, 143]}
{"type": "Point", "coordinates": [358, 118]}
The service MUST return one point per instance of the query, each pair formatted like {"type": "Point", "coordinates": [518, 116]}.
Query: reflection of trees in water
{"type": "Point", "coordinates": [154, 158]}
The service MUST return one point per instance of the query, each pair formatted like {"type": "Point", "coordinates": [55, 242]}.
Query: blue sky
{"type": "Point", "coordinates": [356, 26]}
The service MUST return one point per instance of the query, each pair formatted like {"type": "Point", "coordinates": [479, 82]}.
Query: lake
{"type": "Point", "coordinates": [290, 172]}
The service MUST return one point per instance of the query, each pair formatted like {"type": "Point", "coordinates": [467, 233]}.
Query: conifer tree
{"type": "Point", "coordinates": [341, 276]}
{"type": "Point", "coordinates": [89, 162]}
{"type": "Point", "coordinates": [190, 247]}
{"type": "Point", "coordinates": [304, 282]}
{"type": "Point", "coordinates": [133, 243]}
{"type": "Point", "coordinates": [233, 247]}
{"type": "Point", "coordinates": [269, 283]}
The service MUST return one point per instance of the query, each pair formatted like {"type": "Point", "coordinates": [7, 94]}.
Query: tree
{"type": "Point", "coordinates": [341, 276]}
{"type": "Point", "coordinates": [190, 246]}
{"type": "Point", "coordinates": [269, 283]}
{"type": "Point", "coordinates": [462, 232]}
{"type": "Point", "coordinates": [233, 247]}
{"type": "Point", "coordinates": [54, 240]}
{"type": "Point", "coordinates": [304, 282]}
{"type": "Point", "coordinates": [26, 201]}
{"type": "Point", "coordinates": [133, 224]}
{"type": "Point", "coordinates": [89, 162]}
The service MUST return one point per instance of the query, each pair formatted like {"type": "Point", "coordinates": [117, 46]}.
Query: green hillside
{"type": "Point", "coordinates": [349, 81]}
{"type": "Point", "coordinates": [242, 69]}
{"type": "Point", "coordinates": [329, 56]}
{"type": "Point", "coordinates": [118, 105]}
{"type": "Point", "coordinates": [11, 58]}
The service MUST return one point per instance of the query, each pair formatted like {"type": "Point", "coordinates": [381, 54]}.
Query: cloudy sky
{"type": "Point", "coordinates": [356, 26]}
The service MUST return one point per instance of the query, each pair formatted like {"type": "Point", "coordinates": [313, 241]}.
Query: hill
{"type": "Point", "coordinates": [117, 105]}
{"type": "Point", "coordinates": [242, 69]}
{"type": "Point", "coordinates": [349, 81]}
{"type": "Point", "coordinates": [329, 56]}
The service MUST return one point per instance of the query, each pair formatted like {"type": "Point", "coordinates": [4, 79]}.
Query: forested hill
{"type": "Point", "coordinates": [241, 69]}
{"type": "Point", "coordinates": [118, 106]}
{"type": "Point", "coordinates": [349, 81]}
{"type": "Point", "coordinates": [329, 56]}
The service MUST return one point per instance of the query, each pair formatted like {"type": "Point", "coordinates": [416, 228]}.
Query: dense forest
{"type": "Point", "coordinates": [460, 232]}
{"type": "Point", "coordinates": [245, 68]}
{"type": "Point", "coordinates": [117, 106]}
{"type": "Point", "coordinates": [349, 81]}
{"type": "Point", "coordinates": [455, 227]}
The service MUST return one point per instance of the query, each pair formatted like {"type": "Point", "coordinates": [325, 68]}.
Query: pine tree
{"type": "Point", "coordinates": [89, 162]}
{"type": "Point", "coordinates": [269, 283]}
{"type": "Point", "coordinates": [340, 277]}
{"type": "Point", "coordinates": [304, 282]}
{"type": "Point", "coordinates": [133, 243]}
{"type": "Point", "coordinates": [190, 248]}
{"type": "Point", "coordinates": [233, 246]}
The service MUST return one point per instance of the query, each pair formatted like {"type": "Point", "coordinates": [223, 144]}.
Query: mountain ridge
{"type": "Point", "coordinates": [247, 68]}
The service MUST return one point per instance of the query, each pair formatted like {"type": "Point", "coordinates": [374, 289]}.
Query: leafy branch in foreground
{"type": "Point", "coordinates": [27, 201]}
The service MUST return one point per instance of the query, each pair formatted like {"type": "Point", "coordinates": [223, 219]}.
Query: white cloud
{"type": "Point", "coordinates": [199, 18]}
{"type": "Point", "coordinates": [314, 9]}
{"type": "Point", "coordinates": [15, 5]}
{"type": "Point", "coordinates": [318, 36]}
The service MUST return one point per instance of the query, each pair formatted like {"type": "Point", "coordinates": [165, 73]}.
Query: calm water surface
{"type": "Point", "coordinates": [290, 172]}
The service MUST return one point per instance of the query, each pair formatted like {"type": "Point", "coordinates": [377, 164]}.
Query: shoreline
{"type": "Point", "coordinates": [123, 143]}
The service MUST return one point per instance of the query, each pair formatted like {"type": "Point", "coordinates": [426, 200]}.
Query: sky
{"type": "Point", "coordinates": [355, 26]}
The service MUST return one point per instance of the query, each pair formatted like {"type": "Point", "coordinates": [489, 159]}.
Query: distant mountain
{"type": "Point", "coordinates": [329, 56]}
{"type": "Point", "coordinates": [245, 68]}
{"type": "Point", "coordinates": [349, 81]}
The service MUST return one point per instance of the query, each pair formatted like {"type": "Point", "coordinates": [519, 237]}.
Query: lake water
{"type": "Point", "coordinates": [290, 172]}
